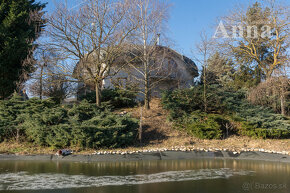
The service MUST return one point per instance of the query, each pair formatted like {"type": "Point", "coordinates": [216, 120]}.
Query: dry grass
{"type": "Point", "coordinates": [23, 148]}
{"type": "Point", "coordinates": [158, 133]}
{"type": "Point", "coordinates": [156, 129]}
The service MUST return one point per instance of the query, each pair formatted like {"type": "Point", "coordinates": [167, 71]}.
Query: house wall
{"type": "Point", "coordinates": [173, 74]}
{"type": "Point", "coordinates": [179, 78]}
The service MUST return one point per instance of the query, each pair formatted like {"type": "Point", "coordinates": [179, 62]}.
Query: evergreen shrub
{"type": "Point", "coordinates": [116, 98]}
{"type": "Point", "coordinates": [83, 125]}
{"type": "Point", "coordinates": [205, 126]}
{"type": "Point", "coordinates": [14, 112]}
{"type": "Point", "coordinates": [254, 121]}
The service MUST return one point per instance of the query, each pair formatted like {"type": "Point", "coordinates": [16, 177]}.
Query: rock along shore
{"type": "Point", "coordinates": [160, 154]}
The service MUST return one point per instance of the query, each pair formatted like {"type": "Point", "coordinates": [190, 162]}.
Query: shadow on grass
{"type": "Point", "coordinates": [151, 136]}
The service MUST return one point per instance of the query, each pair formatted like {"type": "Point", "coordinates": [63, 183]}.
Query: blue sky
{"type": "Point", "coordinates": [190, 17]}
{"type": "Point", "coordinates": [187, 19]}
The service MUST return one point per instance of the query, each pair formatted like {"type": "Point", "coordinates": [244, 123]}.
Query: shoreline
{"type": "Point", "coordinates": [154, 155]}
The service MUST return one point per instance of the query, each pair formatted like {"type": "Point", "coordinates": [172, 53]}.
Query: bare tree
{"type": "Point", "coordinates": [57, 87]}
{"type": "Point", "coordinates": [51, 84]}
{"type": "Point", "coordinates": [273, 92]}
{"type": "Point", "coordinates": [50, 80]}
{"type": "Point", "coordinates": [43, 59]}
{"type": "Point", "coordinates": [91, 36]}
{"type": "Point", "coordinates": [203, 51]}
{"type": "Point", "coordinates": [150, 16]}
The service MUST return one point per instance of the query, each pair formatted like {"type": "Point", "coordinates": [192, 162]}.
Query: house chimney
{"type": "Point", "coordinates": [158, 39]}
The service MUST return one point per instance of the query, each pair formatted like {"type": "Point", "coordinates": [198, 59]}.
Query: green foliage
{"type": "Point", "coordinates": [90, 97]}
{"type": "Point", "coordinates": [255, 69]}
{"type": "Point", "coordinates": [100, 128]}
{"type": "Point", "coordinates": [9, 111]}
{"type": "Point", "coordinates": [258, 116]}
{"type": "Point", "coordinates": [83, 125]}
{"type": "Point", "coordinates": [246, 77]}
{"type": "Point", "coordinates": [256, 121]}
{"type": "Point", "coordinates": [14, 112]}
{"type": "Point", "coordinates": [46, 123]}
{"type": "Point", "coordinates": [59, 136]}
{"type": "Point", "coordinates": [18, 30]}
{"type": "Point", "coordinates": [250, 130]}
{"type": "Point", "coordinates": [185, 101]}
{"type": "Point", "coordinates": [117, 98]}
{"type": "Point", "coordinates": [205, 126]}
{"type": "Point", "coordinates": [219, 70]}
{"type": "Point", "coordinates": [108, 131]}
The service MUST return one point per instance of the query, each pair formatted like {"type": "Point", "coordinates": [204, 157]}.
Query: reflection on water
{"type": "Point", "coordinates": [204, 175]}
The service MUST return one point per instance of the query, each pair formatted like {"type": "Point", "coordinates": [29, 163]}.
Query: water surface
{"type": "Point", "coordinates": [174, 176]}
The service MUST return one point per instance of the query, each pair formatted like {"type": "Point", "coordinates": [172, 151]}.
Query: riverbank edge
{"type": "Point", "coordinates": [157, 155]}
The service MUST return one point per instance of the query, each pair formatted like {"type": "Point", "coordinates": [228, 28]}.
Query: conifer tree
{"type": "Point", "coordinates": [21, 22]}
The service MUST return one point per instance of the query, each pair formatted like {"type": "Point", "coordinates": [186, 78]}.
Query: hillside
{"type": "Point", "coordinates": [158, 133]}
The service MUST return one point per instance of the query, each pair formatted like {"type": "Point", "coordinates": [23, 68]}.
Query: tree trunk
{"type": "Point", "coordinates": [146, 69]}
{"type": "Point", "coordinates": [140, 126]}
{"type": "Point", "coordinates": [147, 100]}
{"type": "Point", "coordinates": [98, 94]}
{"type": "Point", "coordinates": [17, 135]}
{"type": "Point", "coordinates": [41, 82]}
{"type": "Point", "coordinates": [147, 93]}
{"type": "Point", "coordinates": [282, 99]}
{"type": "Point", "coordinates": [204, 88]}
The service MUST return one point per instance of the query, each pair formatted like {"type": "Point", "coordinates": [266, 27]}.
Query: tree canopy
{"type": "Point", "coordinates": [21, 23]}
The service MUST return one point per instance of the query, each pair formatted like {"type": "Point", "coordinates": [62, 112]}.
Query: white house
{"type": "Point", "coordinates": [170, 70]}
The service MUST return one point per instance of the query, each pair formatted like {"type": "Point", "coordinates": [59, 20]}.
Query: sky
{"type": "Point", "coordinates": [190, 17]}
{"type": "Point", "coordinates": [187, 19]}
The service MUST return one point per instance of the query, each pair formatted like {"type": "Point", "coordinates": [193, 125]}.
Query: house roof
{"type": "Point", "coordinates": [189, 64]}
{"type": "Point", "coordinates": [130, 51]}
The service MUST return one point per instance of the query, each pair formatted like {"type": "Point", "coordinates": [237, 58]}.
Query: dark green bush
{"type": "Point", "coordinates": [249, 130]}
{"type": "Point", "coordinates": [113, 130]}
{"type": "Point", "coordinates": [261, 122]}
{"type": "Point", "coordinates": [103, 129]}
{"type": "Point", "coordinates": [15, 111]}
{"type": "Point", "coordinates": [43, 126]}
{"type": "Point", "coordinates": [206, 128]}
{"type": "Point", "coordinates": [185, 101]}
{"type": "Point", "coordinates": [83, 125]}
{"type": "Point", "coordinates": [203, 125]}
{"type": "Point", "coordinates": [9, 121]}
{"type": "Point", "coordinates": [117, 98]}
{"type": "Point", "coordinates": [59, 136]}
{"type": "Point", "coordinates": [89, 96]}
{"type": "Point", "coordinates": [84, 111]}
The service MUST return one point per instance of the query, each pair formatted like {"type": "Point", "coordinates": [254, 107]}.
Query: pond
{"type": "Point", "coordinates": [158, 176]}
